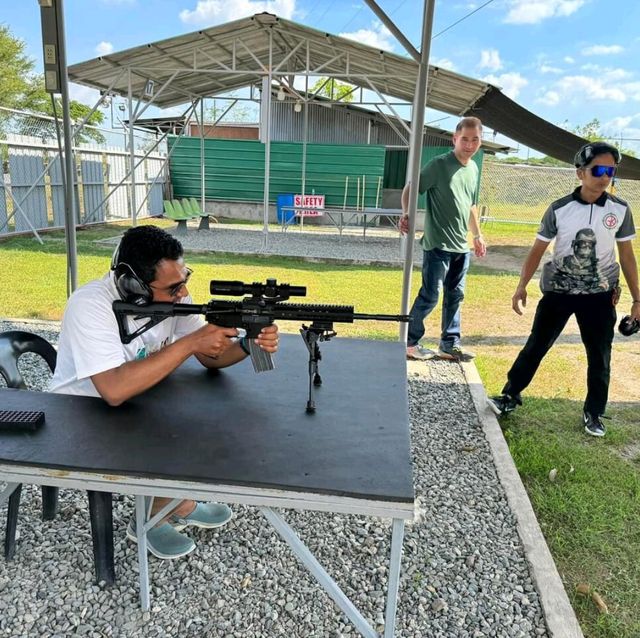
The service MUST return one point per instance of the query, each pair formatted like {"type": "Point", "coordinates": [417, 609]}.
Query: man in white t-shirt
{"type": "Point", "coordinates": [148, 266]}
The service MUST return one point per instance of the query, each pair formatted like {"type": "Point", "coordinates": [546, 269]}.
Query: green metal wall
{"type": "Point", "coordinates": [234, 170]}
{"type": "Point", "coordinates": [395, 166]}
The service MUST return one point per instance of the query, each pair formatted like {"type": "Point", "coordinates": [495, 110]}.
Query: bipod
{"type": "Point", "coordinates": [312, 335]}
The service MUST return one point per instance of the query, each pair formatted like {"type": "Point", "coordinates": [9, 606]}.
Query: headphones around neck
{"type": "Point", "coordinates": [129, 286]}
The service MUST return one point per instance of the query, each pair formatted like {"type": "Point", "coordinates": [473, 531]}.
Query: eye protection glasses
{"type": "Point", "coordinates": [599, 171]}
{"type": "Point", "coordinates": [174, 290]}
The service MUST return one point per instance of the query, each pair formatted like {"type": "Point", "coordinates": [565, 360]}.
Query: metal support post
{"type": "Point", "coordinates": [417, 126]}
{"type": "Point", "coordinates": [132, 154]}
{"type": "Point", "coordinates": [395, 560]}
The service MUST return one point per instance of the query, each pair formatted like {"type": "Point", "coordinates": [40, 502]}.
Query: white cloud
{"type": "Point", "coordinates": [625, 127]}
{"type": "Point", "coordinates": [535, 11]}
{"type": "Point", "coordinates": [490, 59]}
{"type": "Point", "coordinates": [377, 36]}
{"type": "Point", "coordinates": [618, 123]}
{"type": "Point", "coordinates": [550, 98]}
{"type": "Point", "coordinates": [547, 68]}
{"type": "Point", "coordinates": [568, 59]}
{"type": "Point", "coordinates": [83, 94]}
{"type": "Point", "coordinates": [104, 48]}
{"type": "Point", "coordinates": [580, 88]}
{"type": "Point", "coordinates": [208, 12]}
{"type": "Point", "coordinates": [602, 49]}
{"type": "Point", "coordinates": [605, 74]}
{"type": "Point", "coordinates": [443, 63]}
{"type": "Point", "coordinates": [510, 83]}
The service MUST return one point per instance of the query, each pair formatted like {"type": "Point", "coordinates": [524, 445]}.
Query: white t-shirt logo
{"type": "Point", "coordinates": [610, 221]}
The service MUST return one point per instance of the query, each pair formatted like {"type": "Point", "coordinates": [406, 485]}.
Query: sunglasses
{"type": "Point", "coordinates": [175, 290]}
{"type": "Point", "coordinates": [599, 171]}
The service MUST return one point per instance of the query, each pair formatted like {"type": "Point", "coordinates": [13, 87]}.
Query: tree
{"type": "Point", "coordinates": [240, 112]}
{"type": "Point", "coordinates": [15, 70]}
{"type": "Point", "coordinates": [333, 89]}
{"type": "Point", "coordinates": [591, 132]}
{"type": "Point", "coordinates": [77, 113]}
{"type": "Point", "coordinates": [22, 89]}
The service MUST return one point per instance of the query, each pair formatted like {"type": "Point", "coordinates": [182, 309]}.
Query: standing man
{"type": "Point", "coordinates": [148, 266]}
{"type": "Point", "coordinates": [451, 184]}
{"type": "Point", "coordinates": [581, 279]}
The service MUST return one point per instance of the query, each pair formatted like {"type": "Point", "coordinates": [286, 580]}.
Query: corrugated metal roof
{"type": "Point", "coordinates": [235, 54]}
{"type": "Point", "coordinates": [498, 111]}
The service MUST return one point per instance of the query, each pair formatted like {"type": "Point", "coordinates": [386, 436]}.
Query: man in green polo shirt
{"type": "Point", "coordinates": [451, 184]}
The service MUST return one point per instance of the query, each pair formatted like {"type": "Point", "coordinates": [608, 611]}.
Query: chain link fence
{"type": "Point", "coordinates": [31, 179]}
{"type": "Point", "coordinates": [520, 193]}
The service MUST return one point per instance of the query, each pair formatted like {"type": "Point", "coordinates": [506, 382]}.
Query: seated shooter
{"type": "Point", "coordinates": [147, 266]}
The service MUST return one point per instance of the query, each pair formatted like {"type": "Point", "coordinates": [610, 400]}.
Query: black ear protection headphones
{"type": "Point", "coordinates": [589, 151]}
{"type": "Point", "coordinates": [130, 287]}
{"type": "Point", "coordinates": [628, 326]}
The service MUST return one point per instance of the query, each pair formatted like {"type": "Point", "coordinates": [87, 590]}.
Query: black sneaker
{"type": "Point", "coordinates": [593, 424]}
{"type": "Point", "coordinates": [503, 403]}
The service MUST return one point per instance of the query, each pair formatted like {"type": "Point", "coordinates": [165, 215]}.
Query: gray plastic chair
{"type": "Point", "coordinates": [13, 344]}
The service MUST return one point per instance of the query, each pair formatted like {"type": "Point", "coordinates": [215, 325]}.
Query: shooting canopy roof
{"type": "Point", "coordinates": [236, 54]}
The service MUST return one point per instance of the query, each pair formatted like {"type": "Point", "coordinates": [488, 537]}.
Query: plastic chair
{"type": "Point", "coordinates": [13, 344]}
{"type": "Point", "coordinates": [205, 217]}
{"type": "Point", "coordinates": [176, 213]}
{"type": "Point", "coordinates": [168, 208]}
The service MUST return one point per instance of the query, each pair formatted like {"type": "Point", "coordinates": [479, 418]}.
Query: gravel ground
{"type": "Point", "coordinates": [380, 247]}
{"type": "Point", "coordinates": [464, 573]}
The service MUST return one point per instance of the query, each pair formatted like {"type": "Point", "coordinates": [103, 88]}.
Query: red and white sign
{"type": "Point", "coordinates": [313, 205]}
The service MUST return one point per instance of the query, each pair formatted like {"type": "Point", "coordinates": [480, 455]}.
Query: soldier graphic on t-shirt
{"type": "Point", "coordinates": [579, 273]}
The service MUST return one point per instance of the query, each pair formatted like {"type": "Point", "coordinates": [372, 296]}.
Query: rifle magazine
{"type": "Point", "coordinates": [262, 361]}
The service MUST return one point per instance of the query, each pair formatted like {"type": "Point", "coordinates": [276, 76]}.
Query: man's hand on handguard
{"type": "Point", "coordinates": [268, 338]}
{"type": "Point", "coordinates": [519, 296]}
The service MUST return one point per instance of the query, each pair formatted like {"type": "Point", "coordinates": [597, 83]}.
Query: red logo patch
{"type": "Point", "coordinates": [610, 221]}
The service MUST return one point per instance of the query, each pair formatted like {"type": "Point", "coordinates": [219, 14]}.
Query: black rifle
{"type": "Point", "coordinates": [261, 307]}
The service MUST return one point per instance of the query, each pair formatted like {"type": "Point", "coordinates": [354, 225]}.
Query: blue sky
{"type": "Point", "coordinates": [568, 61]}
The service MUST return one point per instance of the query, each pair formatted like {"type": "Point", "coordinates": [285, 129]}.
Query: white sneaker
{"type": "Point", "coordinates": [420, 353]}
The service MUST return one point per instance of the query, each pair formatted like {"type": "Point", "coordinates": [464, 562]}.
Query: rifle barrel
{"type": "Point", "coordinates": [369, 317]}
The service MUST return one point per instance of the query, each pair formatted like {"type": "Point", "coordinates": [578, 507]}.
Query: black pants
{"type": "Point", "coordinates": [596, 317]}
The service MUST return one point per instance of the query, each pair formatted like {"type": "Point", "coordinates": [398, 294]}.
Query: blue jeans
{"type": "Point", "coordinates": [446, 271]}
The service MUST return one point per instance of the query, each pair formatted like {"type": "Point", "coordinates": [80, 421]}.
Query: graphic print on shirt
{"type": "Point", "coordinates": [579, 273]}
{"type": "Point", "coordinates": [150, 348]}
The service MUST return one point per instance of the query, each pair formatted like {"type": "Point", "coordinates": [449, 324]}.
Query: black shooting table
{"type": "Point", "coordinates": [237, 437]}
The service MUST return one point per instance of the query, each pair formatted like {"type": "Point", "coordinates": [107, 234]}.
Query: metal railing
{"type": "Point", "coordinates": [31, 189]}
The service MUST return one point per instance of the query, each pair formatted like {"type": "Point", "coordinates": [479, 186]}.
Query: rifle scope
{"type": "Point", "coordinates": [269, 289]}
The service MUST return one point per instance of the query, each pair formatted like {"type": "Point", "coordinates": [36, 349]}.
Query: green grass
{"type": "Point", "coordinates": [590, 516]}
{"type": "Point", "coordinates": [40, 273]}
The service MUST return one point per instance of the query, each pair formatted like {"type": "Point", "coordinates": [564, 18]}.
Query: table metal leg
{"type": "Point", "coordinates": [102, 535]}
{"type": "Point", "coordinates": [49, 502]}
{"type": "Point", "coordinates": [143, 564]}
{"type": "Point", "coordinates": [397, 536]}
{"type": "Point", "coordinates": [11, 493]}
{"type": "Point", "coordinates": [320, 574]}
